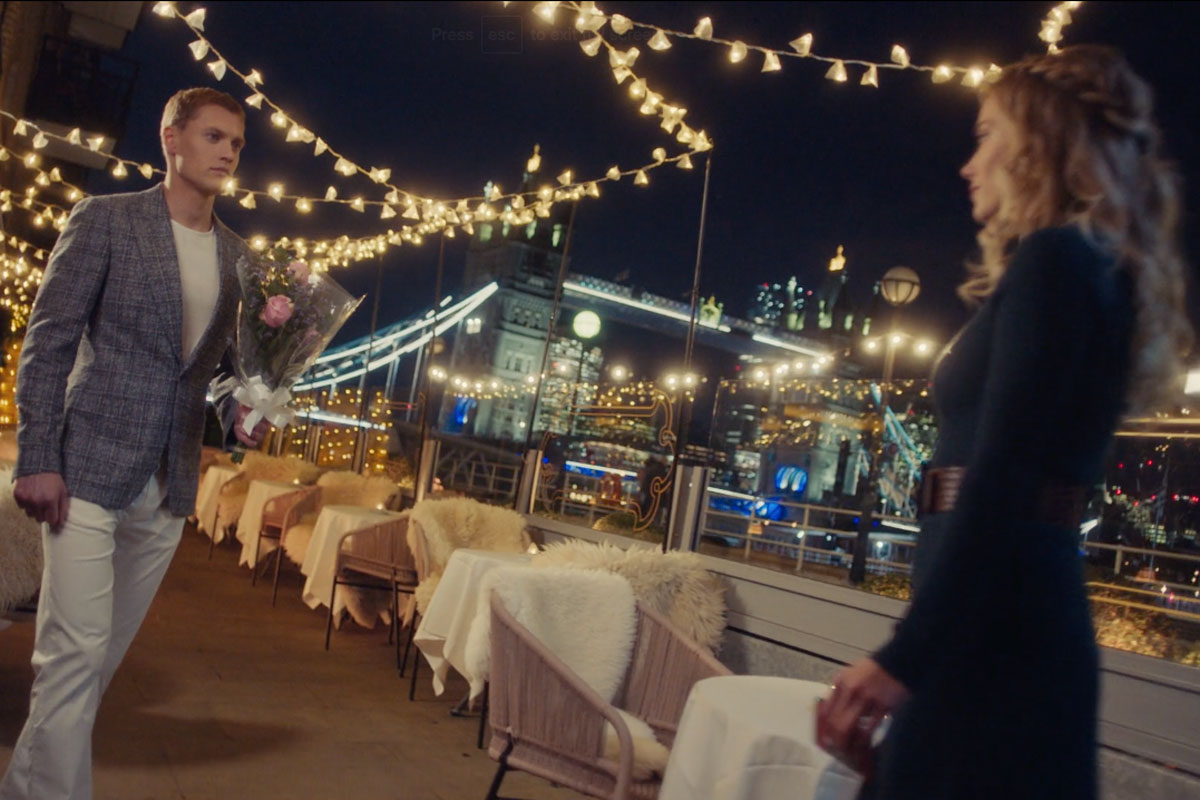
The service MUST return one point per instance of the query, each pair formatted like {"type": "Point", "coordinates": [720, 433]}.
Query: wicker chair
{"type": "Point", "coordinates": [340, 487]}
{"type": "Point", "coordinates": [258, 466]}
{"type": "Point", "coordinates": [279, 514]}
{"type": "Point", "coordinates": [218, 528]}
{"type": "Point", "coordinates": [547, 721]}
{"type": "Point", "coordinates": [379, 557]}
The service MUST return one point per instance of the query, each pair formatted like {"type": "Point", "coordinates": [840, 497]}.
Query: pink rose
{"type": "Point", "coordinates": [298, 270]}
{"type": "Point", "coordinates": [277, 311]}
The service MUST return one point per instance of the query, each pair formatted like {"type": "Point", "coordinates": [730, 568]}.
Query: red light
{"type": "Point", "coordinates": [1136, 503]}
{"type": "Point", "coordinates": [1195, 499]}
{"type": "Point", "coordinates": [1149, 463]}
{"type": "Point", "coordinates": [1121, 465]}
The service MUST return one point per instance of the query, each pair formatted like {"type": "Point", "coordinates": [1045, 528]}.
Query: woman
{"type": "Point", "coordinates": [993, 673]}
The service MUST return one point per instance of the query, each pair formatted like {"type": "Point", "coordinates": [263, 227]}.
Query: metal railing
{"type": "Point", "coordinates": [477, 470]}
{"type": "Point", "coordinates": [754, 532]}
{"type": "Point", "coordinates": [1121, 550]}
{"type": "Point", "coordinates": [1170, 612]}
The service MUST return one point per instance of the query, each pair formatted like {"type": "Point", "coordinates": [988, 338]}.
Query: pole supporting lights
{"type": "Point", "coordinates": [585, 325]}
{"type": "Point", "coordinates": [899, 287]}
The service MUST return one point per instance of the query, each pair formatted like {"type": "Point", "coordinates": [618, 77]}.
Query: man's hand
{"type": "Point", "coordinates": [256, 436]}
{"type": "Point", "coordinates": [43, 496]}
{"type": "Point", "coordinates": [863, 694]}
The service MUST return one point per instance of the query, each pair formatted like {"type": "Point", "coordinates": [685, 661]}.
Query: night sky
{"type": "Point", "coordinates": [801, 164]}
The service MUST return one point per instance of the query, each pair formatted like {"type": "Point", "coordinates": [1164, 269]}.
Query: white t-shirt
{"type": "Point", "coordinates": [200, 280]}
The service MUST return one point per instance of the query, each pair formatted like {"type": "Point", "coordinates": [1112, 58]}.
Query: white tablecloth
{"type": "Point", "coordinates": [746, 737]}
{"type": "Point", "coordinates": [215, 477]}
{"type": "Point", "coordinates": [250, 522]}
{"type": "Point", "coordinates": [442, 634]}
{"type": "Point", "coordinates": [321, 557]}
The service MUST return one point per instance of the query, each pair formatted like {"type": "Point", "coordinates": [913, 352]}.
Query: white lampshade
{"type": "Point", "coordinates": [900, 286]}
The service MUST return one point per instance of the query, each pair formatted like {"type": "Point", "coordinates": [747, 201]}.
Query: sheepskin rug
{"type": "Point", "coordinates": [675, 584]}
{"type": "Point", "coordinates": [260, 467]}
{"type": "Point", "coordinates": [20, 549]}
{"type": "Point", "coordinates": [453, 522]}
{"type": "Point", "coordinates": [339, 488]}
{"type": "Point", "coordinates": [559, 607]}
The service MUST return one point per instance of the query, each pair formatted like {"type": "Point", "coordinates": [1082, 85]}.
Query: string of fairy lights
{"type": "Point", "coordinates": [342, 250]}
{"type": "Point", "coordinates": [19, 280]}
{"type": "Point", "coordinates": [1052, 26]}
{"type": "Point", "coordinates": [433, 214]}
{"type": "Point", "coordinates": [837, 390]}
{"type": "Point", "coordinates": [589, 18]}
{"type": "Point", "coordinates": [429, 214]}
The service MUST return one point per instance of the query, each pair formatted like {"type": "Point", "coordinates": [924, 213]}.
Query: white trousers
{"type": "Point", "coordinates": [102, 569]}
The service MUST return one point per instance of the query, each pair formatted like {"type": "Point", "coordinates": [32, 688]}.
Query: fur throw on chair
{"type": "Point", "coordinates": [260, 467]}
{"type": "Point", "coordinates": [454, 522]}
{"type": "Point", "coordinates": [339, 488]}
{"type": "Point", "coordinates": [673, 583]}
{"type": "Point", "coordinates": [345, 488]}
{"type": "Point", "coordinates": [586, 618]}
{"type": "Point", "coordinates": [20, 549]}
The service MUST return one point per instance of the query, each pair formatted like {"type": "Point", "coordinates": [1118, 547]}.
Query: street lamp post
{"type": "Point", "coordinates": [585, 325]}
{"type": "Point", "coordinates": [899, 287]}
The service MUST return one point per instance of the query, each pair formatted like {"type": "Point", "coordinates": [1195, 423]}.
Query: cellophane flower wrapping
{"type": "Point", "coordinates": [288, 315]}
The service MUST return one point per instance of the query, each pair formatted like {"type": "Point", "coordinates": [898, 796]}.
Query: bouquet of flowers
{"type": "Point", "coordinates": [288, 315]}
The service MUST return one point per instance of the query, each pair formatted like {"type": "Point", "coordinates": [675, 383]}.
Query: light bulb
{"type": "Point", "coordinates": [196, 19]}
{"type": "Point", "coordinates": [803, 44]}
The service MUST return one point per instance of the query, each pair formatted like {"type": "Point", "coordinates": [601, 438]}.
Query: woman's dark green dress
{"type": "Point", "coordinates": [998, 647]}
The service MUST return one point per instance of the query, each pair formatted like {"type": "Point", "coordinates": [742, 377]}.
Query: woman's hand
{"type": "Point", "coordinates": [863, 694]}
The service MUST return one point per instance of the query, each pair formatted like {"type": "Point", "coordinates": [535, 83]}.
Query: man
{"type": "Point", "coordinates": [136, 309]}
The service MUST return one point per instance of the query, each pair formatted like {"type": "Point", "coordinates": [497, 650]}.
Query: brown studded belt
{"type": "Point", "coordinates": [1053, 503]}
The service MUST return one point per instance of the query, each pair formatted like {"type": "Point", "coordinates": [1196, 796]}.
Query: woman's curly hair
{"type": "Point", "coordinates": [1089, 154]}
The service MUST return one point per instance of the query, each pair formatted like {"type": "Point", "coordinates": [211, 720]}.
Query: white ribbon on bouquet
{"type": "Point", "coordinates": [264, 403]}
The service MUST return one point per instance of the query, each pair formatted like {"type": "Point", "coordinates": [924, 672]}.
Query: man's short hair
{"type": "Point", "coordinates": [186, 103]}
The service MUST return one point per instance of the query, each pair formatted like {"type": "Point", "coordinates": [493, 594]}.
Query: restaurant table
{"type": "Point", "coordinates": [208, 497]}
{"type": "Point", "coordinates": [249, 524]}
{"type": "Point", "coordinates": [442, 634]}
{"type": "Point", "coordinates": [750, 737]}
{"type": "Point", "coordinates": [320, 559]}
